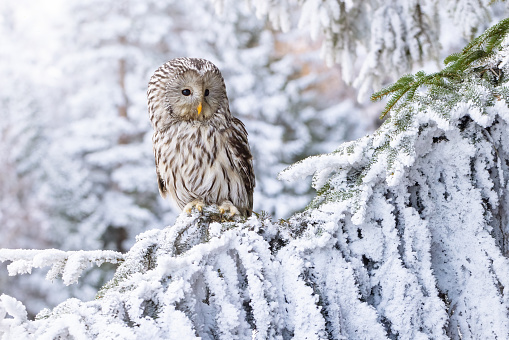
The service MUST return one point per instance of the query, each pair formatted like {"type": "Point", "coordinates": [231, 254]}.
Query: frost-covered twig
{"type": "Point", "coordinates": [9, 306]}
{"type": "Point", "coordinates": [69, 264]}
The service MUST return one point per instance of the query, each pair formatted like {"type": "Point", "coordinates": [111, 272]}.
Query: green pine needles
{"type": "Point", "coordinates": [478, 50]}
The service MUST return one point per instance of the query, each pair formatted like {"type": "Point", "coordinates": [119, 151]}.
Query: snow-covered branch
{"type": "Point", "coordinates": [68, 264]}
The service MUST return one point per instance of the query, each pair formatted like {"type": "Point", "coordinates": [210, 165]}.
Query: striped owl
{"type": "Point", "coordinates": [201, 151]}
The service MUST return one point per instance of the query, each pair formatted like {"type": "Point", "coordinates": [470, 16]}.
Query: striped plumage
{"type": "Point", "coordinates": [201, 151]}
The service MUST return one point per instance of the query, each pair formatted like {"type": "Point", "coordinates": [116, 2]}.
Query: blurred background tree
{"type": "Point", "coordinates": [75, 152]}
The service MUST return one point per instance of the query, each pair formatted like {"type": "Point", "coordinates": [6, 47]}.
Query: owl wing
{"type": "Point", "coordinates": [241, 158]}
{"type": "Point", "coordinates": [161, 184]}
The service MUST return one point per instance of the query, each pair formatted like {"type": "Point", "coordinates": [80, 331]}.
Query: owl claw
{"type": "Point", "coordinates": [198, 204]}
{"type": "Point", "coordinates": [228, 206]}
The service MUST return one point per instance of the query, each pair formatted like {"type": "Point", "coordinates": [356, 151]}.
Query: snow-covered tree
{"type": "Point", "coordinates": [385, 39]}
{"type": "Point", "coordinates": [406, 238]}
{"type": "Point", "coordinates": [23, 105]}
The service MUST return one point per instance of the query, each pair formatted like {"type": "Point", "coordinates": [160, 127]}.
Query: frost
{"type": "Point", "coordinates": [68, 264]}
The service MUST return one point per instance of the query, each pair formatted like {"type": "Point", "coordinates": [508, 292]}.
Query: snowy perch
{"type": "Point", "coordinates": [69, 264]}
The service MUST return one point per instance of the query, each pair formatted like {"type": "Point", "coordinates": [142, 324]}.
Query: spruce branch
{"type": "Point", "coordinates": [477, 50]}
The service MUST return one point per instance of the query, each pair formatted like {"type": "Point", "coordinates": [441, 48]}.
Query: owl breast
{"type": "Point", "coordinates": [195, 161]}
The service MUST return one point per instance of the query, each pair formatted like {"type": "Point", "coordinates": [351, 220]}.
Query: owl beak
{"type": "Point", "coordinates": [199, 108]}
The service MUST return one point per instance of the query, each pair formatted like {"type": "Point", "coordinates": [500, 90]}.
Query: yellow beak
{"type": "Point", "coordinates": [199, 108]}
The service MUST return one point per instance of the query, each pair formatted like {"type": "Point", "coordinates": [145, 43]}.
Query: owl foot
{"type": "Point", "coordinates": [198, 204]}
{"type": "Point", "coordinates": [228, 206]}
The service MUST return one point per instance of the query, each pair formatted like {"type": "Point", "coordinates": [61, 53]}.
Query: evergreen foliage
{"type": "Point", "coordinates": [475, 53]}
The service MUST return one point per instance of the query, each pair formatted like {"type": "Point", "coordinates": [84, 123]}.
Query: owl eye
{"type": "Point", "coordinates": [186, 92]}
{"type": "Point", "coordinates": [206, 92]}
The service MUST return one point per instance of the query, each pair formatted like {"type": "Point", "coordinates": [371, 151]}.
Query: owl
{"type": "Point", "coordinates": [201, 151]}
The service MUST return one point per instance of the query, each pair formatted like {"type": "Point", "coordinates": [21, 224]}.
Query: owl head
{"type": "Point", "coordinates": [186, 89]}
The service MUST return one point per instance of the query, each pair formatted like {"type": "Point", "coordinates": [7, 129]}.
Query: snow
{"type": "Point", "coordinates": [69, 264]}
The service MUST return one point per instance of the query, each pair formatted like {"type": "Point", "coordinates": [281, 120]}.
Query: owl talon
{"type": "Point", "coordinates": [228, 206]}
{"type": "Point", "coordinates": [198, 204]}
